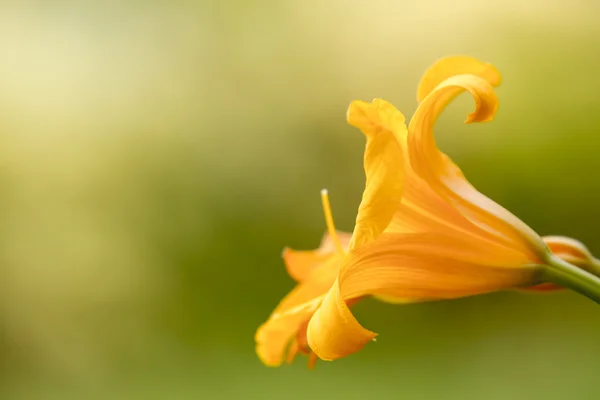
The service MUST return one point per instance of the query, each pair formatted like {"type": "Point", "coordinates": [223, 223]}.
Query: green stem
{"type": "Point", "coordinates": [594, 267]}
{"type": "Point", "coordinates": [564, 274]}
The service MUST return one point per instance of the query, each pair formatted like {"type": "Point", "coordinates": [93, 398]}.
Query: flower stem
{"type": "Point", "coordinates": [594, 267]}
{"type": "Point", "coordinates": [565, 274]}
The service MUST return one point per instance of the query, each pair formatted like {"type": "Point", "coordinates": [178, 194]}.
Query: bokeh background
{"type": "Point", "coordinates": [156, 156]}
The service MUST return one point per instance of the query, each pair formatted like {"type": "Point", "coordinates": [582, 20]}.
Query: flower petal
{"type": "Point", "coordinates": [333, 332]}
{"type": "Point", "coordinates": [446, 179]}
{"type": "Point", "coordinates": [300, 263]}
{"type": "Point", "coordinates": [423, 210]}
{"type": "Point", "coordinates": [429, 266]}
{"type": "Point", "coordinates": [328, 246]}
{"type": "Point", "coordinates": [447, 67]}
{"type": "Point", "coordinates": [383, 125]}
{"type": "Point", "coordinates": [415, 267]}
{"type": "Point", "coordinates": [291, 315]}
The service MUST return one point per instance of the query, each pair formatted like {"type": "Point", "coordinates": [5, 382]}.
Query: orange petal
{"type": "Point", "coordinates": [292, 351]}
{"type": "Point", "coordinates": [415, 267]}
{"type": "Point", "coordinates": [333, 332]}
{"type": "Point", "coordinates": [384, 127]}
{"type": "Point", "coordinates": [446, 179]}
{"type": "Point", "coordinates": [429, 266]}
{"type": "Point", "coordinates": [312, 360]}
{"type": "Point", "coordinates": [447, 67]}
{"type": "Point", "coordinates": [422, 210]}
{"type": "Point", "coordinates": [291, 315]}
{"type": "Point", "coordinates": [327, 244]}
{"type": "Point", "coordinates": [273, 337]}
{"type": "Point", "coordinates": [300, 263]}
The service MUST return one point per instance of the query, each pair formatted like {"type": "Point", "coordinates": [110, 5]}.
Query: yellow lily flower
{"type": "Point", "coordinates": [316, 270]}
{"type": "Point", "coordinates": [438, 237]}
{"type": "Point", "coordinates": [422, 232]}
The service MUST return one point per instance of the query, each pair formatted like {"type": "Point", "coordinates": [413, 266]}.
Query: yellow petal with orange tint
{"type": "Point", "coordinates": [415, 267]}
{"type": "Point", "coordinates": [447, 67]}
{"type": "Point", "coordinates": [430, 266]}
{"type": "Point", "coordinates": [446, 179]}
{"type": "Point", "coordinates": [300, 263]}
{"type": "Point", "coordinates": [383, 125]}
{"type": "Point", "coordinates": [273, 337]}
{"type": "Point", "coordinates": [422, 210]}
{"type": "Point", "coordinates": [333, 332]}
{"type": "Point", "coordinates": [327, 244]}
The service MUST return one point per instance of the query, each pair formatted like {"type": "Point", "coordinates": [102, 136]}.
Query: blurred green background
{"type": "Point", "coordinates": [156, 156]}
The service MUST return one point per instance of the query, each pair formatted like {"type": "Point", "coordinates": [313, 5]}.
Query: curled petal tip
{"type": "Point", "coordinates": [357, 113]}
{"type": "Point", "coordinates": [333, 332]}
{"type": "Point", "coordinates": [486, 101]}
{"type": "Point", "coordinates": [379, 114]}
{"type": "Point", "coordinates": [447, 67]}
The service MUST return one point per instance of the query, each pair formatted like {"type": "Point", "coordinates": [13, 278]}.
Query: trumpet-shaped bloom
{"type": "Point", "coordinates": [444, 239]}
{"type": "Point", "coordinates": [422, 232]}
{"type": "Point", "coordinates": [316, 270]}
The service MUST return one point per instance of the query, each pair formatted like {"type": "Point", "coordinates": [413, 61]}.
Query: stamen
{"type": "Point", "coordinates": [329, 220]}
{"type": "Point", "coordinates": [292, 351]}
{"type": "Point", "coordinates": [312, 360]}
